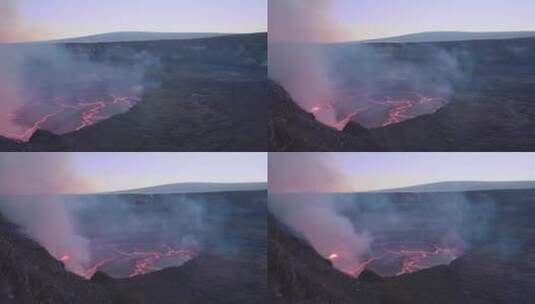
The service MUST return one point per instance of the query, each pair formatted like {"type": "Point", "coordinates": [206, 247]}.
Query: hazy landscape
{"type": "Point", "coordinates": [204, 247]}
{"type": "Point", "coordinates": [403, 247]}
{"type": "Point", "coordinates": [458, 92]}
{"type": "Point", "coordinates": [135, 91]}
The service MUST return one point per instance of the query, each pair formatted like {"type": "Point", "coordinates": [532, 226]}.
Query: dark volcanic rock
{"type": "Point", "coordinates": [51, 141]}
{"type": "Point", "coordinates": [231, 266]}
{"type": "Point", "coordinates": [28, 275]}
{"type": "Point", "coordinates": [211, 96]}
{"type": "Point", "coordinates": [8, 145]}
{"type": "Point", "coordinates": [466, 125]}
{"type": "Point", "coordinates": [491, 111]}
{"type": "Point", "coordinates": [112, 286]}
{"type": "Point", "coordinates": [294, 130]}
{"type": "Point", "coordinates": [297, 274]}
{"type": "Point", "coordinates": [230, 269]}
{"type": "Point", "coordinates": [494, 279]}
{"type": "Point", "coordinates": [369, 276]}
{"type": "Point", "coordinates": [205, 279]}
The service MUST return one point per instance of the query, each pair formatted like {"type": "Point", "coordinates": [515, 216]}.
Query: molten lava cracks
{"type": "Point", "coordinates": [393, 260]}
{"type": "Point", "coordinates": [373, 111]}
{"type": "Point", "coordinates": [60, 117]}
{"type": "Point", "coordinates": [120, 262]}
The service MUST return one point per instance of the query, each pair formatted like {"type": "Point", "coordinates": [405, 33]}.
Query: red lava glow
{"type": "Point", "coordinates": [145, 260]}
{"type": "Point", "coordinates": [333, 256]}
{"type": "Point", "coordinates": [327, 115]}
{"type": "Point", "coordinates": [400, 110]}
{"type": "Point", "coordinates": [135, 262]}
{"type": "Point", "coordinates": [415, 260]}
{"type": "Point", "coordinates": [373, 111]}
{"type": "Point", "coordinates": [394, 262]}
{"type": "Point", "coordinates": [90, 271]}
{"type": "Point", "coordinates": [66, 118]}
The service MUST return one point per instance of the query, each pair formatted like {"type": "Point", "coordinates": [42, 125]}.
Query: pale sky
{"type": "Point", "coordinates": [375, 171]}
{"type": "Point", "coordinates": [53, 19]}
{"type": "Point", "coordinates": [351, 20]}
{"type": "Point", "coordinates": [30, 173]}
{"type": "Point", "coordinates": [369, 19]}
{"type": "Point", "coordinates": [112, 171]}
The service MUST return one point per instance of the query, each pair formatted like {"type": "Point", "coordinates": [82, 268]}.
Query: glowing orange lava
{"type": "Point", "coordinates": [84, 113]}
{"type": "Point", "coordinates": [91, 270]}
{"type": "Point", "coordinates": [145, 260]}
{"type": "Point", "coordinates": [414, 260]}
{"type": "Point", "coordinates": [400, 110]}
{"type": "Point", "coordinates": [328, 115]}
{"type": "Point", "coordinates": [402, 260]}
{"type": "Point", "coordinates": [396, 110]}
{"type": "Point", "coordinates": [140, 261]}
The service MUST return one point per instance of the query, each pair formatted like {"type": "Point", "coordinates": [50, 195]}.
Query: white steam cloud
{"type": "Point", "coordinates": [294, 61]}
{"type": "Point", "coordinates": [46, 219]}
{"type": "Point", "coordinates": [313, 216]}
{"type": "Point", "coordinates": [12, 26]}
{"type": "Point", "coordinates": [373, 85]}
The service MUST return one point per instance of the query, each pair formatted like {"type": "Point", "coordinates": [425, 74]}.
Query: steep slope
{"type": "Point", "coordinates": [211, 96]}
{"type": "Point", "coordinates": [28, 274]}
{"type": "Point", "coordinates": [297, 274]}
{"type": "Point", "coordinates": [491, 109]}
{"type": "Point", "coordinates": [294, 130]}
{"type": "Point", "coordinates": [206, 279]}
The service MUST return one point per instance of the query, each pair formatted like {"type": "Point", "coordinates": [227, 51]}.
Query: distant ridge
{"type": "Point", "coordinates": [138, 36]}
{"type": "Point", "coordinates": [133, 36]}
{"type": "Point", "coordinates": [464, 187]}
{"type": "Point", "coordinates": [195, 188]}
{"type": "Point", "coordinates": [450, 36]}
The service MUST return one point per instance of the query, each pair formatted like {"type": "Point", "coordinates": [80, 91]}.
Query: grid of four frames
{"type": "Point", "coordinates": [267, 151]}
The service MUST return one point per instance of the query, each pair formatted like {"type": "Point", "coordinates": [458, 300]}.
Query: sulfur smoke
{"type": "Point", "coordinates": [318, 203]}
{"type": "Point", "coordinates": [306, 172]}
{"type": "Point", "coordinates": [36, 80]}
{"type": "Point", "coordinates": [294, 60]}
{"type": "Point", "coordinates": [295, 180]}
{"type": "Point", "coordinates": [31, 185]}
{"type": "Point", "coordinates": [355, 81]}
{"type": "Point", "coordinates": [12, 27]}
{"type": "Point", "coordinates": [109, 231]}
{"type": "Point", "coordinates": [43, 78]}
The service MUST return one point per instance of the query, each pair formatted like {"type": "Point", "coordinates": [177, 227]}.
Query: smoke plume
{"type": "Point", "coordinates": [303, 21]}
{"type": "Point", "coordinates": [294, 61]}
{"type": "Point", "coordinates": [306, 172]}
{"type": "Point", "coordinates": [12, 27]}
{"type": "Point", "coordinates": [122, 234]}
{"type": "Point", "coordinates": [37, 209]}
{"type": "Point", "coordinates": [312, 216]}
{"type": "Point", "coordinates": [38, 80]}
{"type": "Point", "coordinates": [155, 231]}
{"type": "Point", "coordinates": [62, 88]}
{"type": "Point", "coordinates": [319, 222]}
{"type": "Point", "coordinates": [372, 84]}
{"type": "Point", "coordinates": [360, 230]}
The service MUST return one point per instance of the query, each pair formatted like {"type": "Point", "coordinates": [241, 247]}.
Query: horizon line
{"type": "Point", "coordinates": [409, 186]}
{"type": "Point", "coordinates": [125, 191]}
{"type": "Point", "coordinates": [132, 31]}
